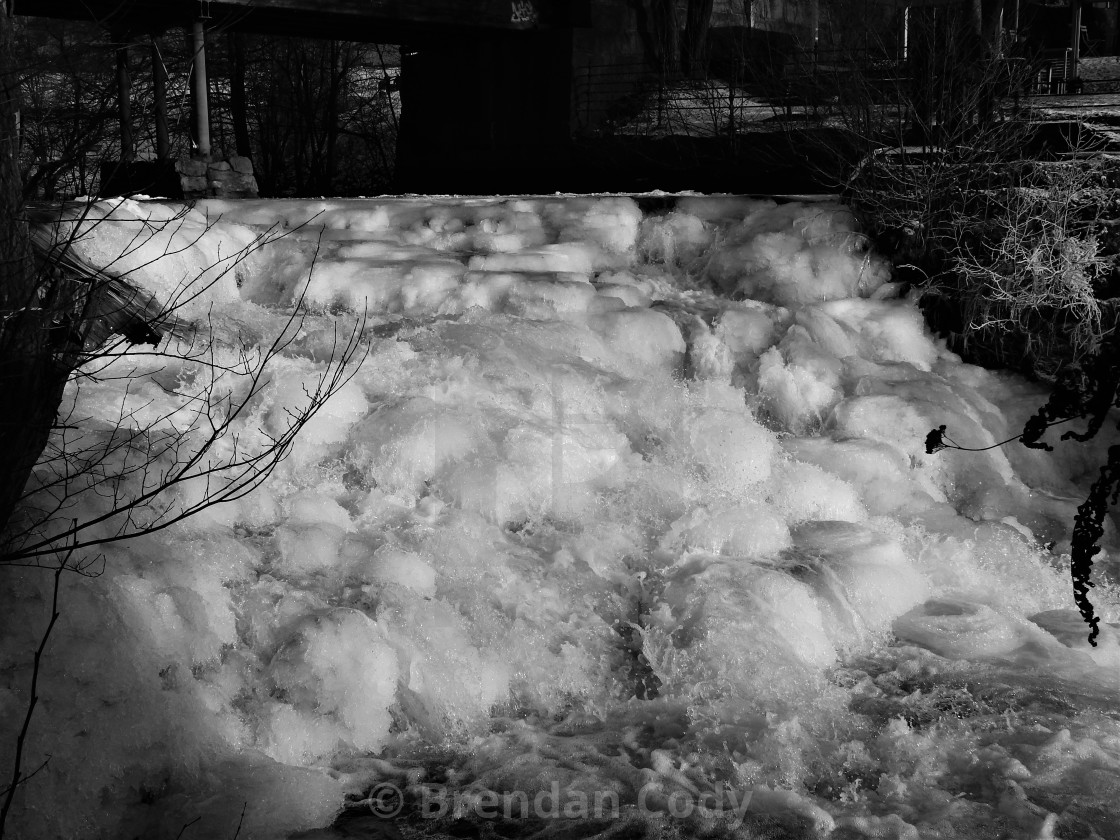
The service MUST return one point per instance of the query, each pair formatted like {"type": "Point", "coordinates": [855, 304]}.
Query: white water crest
{"type": "Point", "coordinates": [624, 506]}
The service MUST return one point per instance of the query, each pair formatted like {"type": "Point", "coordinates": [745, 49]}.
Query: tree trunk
{"type": "Point", "coordinates": [124, 99]}
{"type": "Point", "coordinates": [30, 379]}
{"type": "Point", "coordinates": [159, 96]}
{"type": "Point", "coordinates": [336, 78]}
{"type": "Point", "coordinates": [694, 50]}
{"type": "Point", "coordinates": [658, 29]}
{"type": "Point", "coordinates": [237, 99]}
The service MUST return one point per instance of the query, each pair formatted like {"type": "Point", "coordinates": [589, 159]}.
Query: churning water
{"type": "Point", "coordinates": [624, 524]}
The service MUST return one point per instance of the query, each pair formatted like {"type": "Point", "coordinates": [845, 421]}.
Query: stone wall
{"type": "Point", "coordinates": [231, 178]}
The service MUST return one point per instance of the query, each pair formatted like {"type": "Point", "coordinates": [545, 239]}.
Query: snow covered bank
{"type": "Point", "coordinates": [618, 499]}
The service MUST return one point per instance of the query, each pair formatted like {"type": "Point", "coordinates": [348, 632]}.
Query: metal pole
{"type": "Point", "coordinates": [905, 32]}
{"type": "Point", "coordinates": [124, 104]}
{"type": "Point", "coordinates": [159, 93]}
{"type": "Point", "coordinates": [198, 92]}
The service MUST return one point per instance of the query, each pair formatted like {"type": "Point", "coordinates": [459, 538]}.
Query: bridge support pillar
{"type": "Point", "coordinates": [510, 106]}
{"type": "Point", "coordinates": [199, 99]}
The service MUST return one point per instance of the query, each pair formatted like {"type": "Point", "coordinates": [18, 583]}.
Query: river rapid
{"type": "Point", "coordinates": [624, 526]}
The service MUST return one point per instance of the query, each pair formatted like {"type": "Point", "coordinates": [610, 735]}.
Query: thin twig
{"type": "Point", "coordinates": [186, 826]}
{"type": "Point", "coordinates": [244, 805]}
{"type": "Point", "coordinates": [17, 762]}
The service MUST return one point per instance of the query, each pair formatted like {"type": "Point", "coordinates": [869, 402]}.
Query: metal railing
{"type": "Point", "coordinates": [634, 99]}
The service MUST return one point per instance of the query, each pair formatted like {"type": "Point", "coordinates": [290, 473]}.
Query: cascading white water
{"type": "Point", "coordinates": [622, 507]}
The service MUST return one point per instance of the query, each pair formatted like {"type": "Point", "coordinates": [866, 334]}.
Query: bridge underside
{"type": "Point", "coordinates": [380, 21]}
{"type": "Point", "coordinates": [485, 84]}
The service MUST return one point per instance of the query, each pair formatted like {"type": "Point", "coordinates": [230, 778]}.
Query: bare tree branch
{"type": "Point", "coordinates": [18, 778]}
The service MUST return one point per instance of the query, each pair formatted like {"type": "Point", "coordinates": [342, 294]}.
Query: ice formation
{"type": "Point", "coordinates": [619, 501]}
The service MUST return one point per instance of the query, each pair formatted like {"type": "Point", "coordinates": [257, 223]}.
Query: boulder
{"type": "Point", "coordinates": [241, 164]}
{"type": "Point", "coordinates": [190, 167]}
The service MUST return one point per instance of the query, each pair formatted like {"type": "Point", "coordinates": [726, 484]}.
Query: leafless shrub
{"type": "Point", "coordinates": [152, 467]}
{"type": "Point", "coordinates": [1035, 278]}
